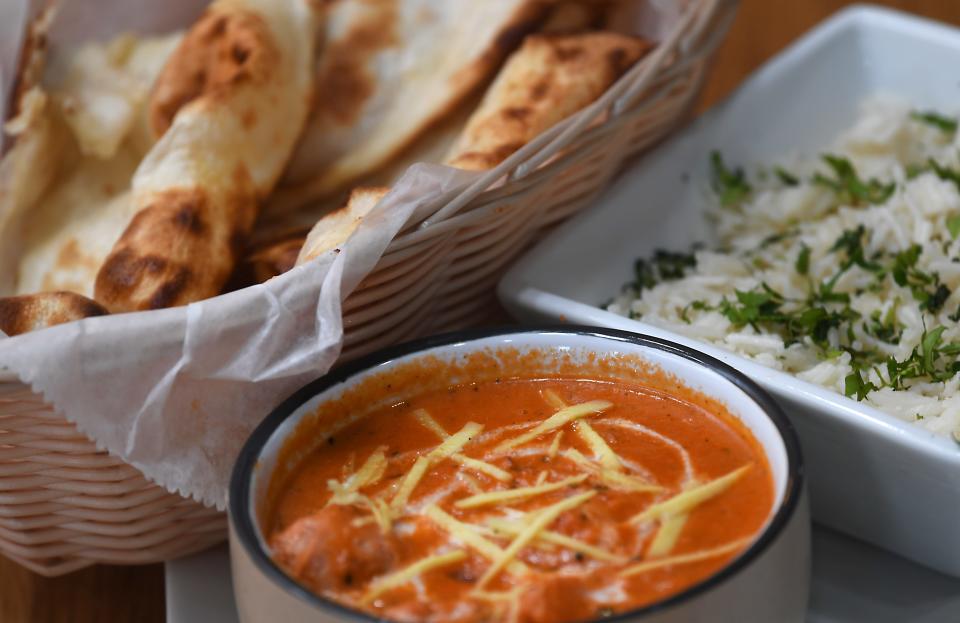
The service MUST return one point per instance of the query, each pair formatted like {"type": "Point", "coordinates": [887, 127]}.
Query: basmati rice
{"type": "Point", "coordinates": [761, 240]}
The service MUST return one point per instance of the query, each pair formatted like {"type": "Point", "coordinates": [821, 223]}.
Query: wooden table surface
{"type": "Point", "coordinates": [121, 594]}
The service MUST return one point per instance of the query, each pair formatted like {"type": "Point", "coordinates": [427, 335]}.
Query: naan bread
{"type": "Point", "coordinates": [334, 229]}
{"type": "Point", "coordinates": [103, 94]}
{"type": "Point", "coordinates": [62, 209]}
{"type": "Point", "coordinates": [389, 70]}
{"type": "Point", "coordinates": [30, 66]}
{"type": "Point", "coordinates": [331, 222]}
{"type": "Point", "coordinates": [548, 79]}
{"type": "Point", "coordinates": [570, 16]}
{"type": "Point", "coordinates": [21, 314]}
{"type": "Point", "coordinates": [230, 104]}
{"type": "Point", "coordinates": [432, 146]}
{"type": "Point", "coordinates": [26, 172]}
{"type": "Point", "coordinates": [273, 259]}
{"type": "Point", "coordinates": [73, 228]}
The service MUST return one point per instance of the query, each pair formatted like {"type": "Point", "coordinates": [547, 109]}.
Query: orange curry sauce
{"type": "Point", "coordinates": [598, 557]}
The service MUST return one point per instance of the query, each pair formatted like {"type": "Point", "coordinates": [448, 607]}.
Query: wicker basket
{"type": "Point", "coordinates": [65, 505]}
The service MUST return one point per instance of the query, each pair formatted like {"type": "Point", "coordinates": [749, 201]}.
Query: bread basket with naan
{"type": "Point", "coordinates": [195, 222]}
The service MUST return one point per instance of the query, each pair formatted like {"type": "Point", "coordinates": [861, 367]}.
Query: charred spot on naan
{"type": "Point", "coordinates": [572, 16]}
{"type": "Point", "coordinates": [181, 208]}
{"type": "Point", "coordinates": [32, 60]}
{"type": "Point", "coordinates": [344, 82]}
{"type": "Point", "coordinates": [29, 312]}
{"type": "Point", "coordinates": [220, 52]}
{"type": "Point", "coordinates": [170, 225]}
{"type": "Point", "coordinates": [125, 269]}
{"type": "Point", "coordinates": [189, 217]}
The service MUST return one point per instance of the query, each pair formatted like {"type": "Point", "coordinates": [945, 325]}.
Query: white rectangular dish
{"type": "Point", "coordinates": [870, 474]}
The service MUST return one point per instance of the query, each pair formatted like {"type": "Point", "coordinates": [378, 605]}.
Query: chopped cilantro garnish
{"type": "Point", "coordinates": [851, 243]}
{"type": "Point", "coordinates": [787, 178]}
{"type": "Point", "coordinates": [730, 185]}
{"type": "Point", "coordinates": [885, 327]}
{"type": "Point", "coordinates": [935, 300]}
{"type": "Point", "coordinates": [854, 386]}
{"type": "Point", "coordinates": [826, 294]}
{"type": "Point", "coordinates": [664, 266]}
{"type": "Point", "coordinates": [904, 262]}
{"type": "Point", "coordinates": [767, 307]}
{"type": "Point", "coordinates": [945, 173]}
{"type": "Point", "coordinates": [673, 265]}
{"type": "Point", "coordinates": [953, 225]}
{"type": "Point", "coordinates": [778, 237]}
{"type": "Point", "coordinates": [925, 287]}
{"type": "Point", "coordinates": [929, 344]}
{"type": "Point", "coordinates": [697, 305]}
{"type": "Point", "coordinates": [932, 359]}
{"type": "Point", "coordinates": [824, 317]}
{"type": "Point", "coordinates": [803, 260]}
{"type": "Point", "coordinates": [848, 186]}
{"type": "Point", "coordinates": [816, 323]}
{"type": "Point", "coordinates": [915, 170]}
{"type": "Point", "coordinates": [752, 307]}
{"type": "Point", "coordinates": [941, 122]}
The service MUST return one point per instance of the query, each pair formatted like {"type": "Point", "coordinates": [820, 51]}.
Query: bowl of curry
{"type": "Point", "coordinates": [523, 475]}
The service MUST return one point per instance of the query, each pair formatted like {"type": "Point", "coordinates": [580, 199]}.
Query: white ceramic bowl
{"type": "Point", "coordinates": [871, 475]}
{"type": "Point", "coordinates": [768, 582]}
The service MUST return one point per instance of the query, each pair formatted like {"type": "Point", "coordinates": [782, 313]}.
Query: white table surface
{"type": "Point", "coordinates": [852, 582]}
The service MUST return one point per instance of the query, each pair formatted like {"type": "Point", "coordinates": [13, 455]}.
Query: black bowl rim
{"type": "Point", "coordinates": [239, 492]}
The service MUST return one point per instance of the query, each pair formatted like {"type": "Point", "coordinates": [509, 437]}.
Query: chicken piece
{"type": "Point", "coordinates": [554, 593]}
{"type": "Point", "coordinates": [594, 523]}
{"type": "Point", "coordinates": [466, 611]}
{"type": "Point", "coordinates": [328, 552]}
